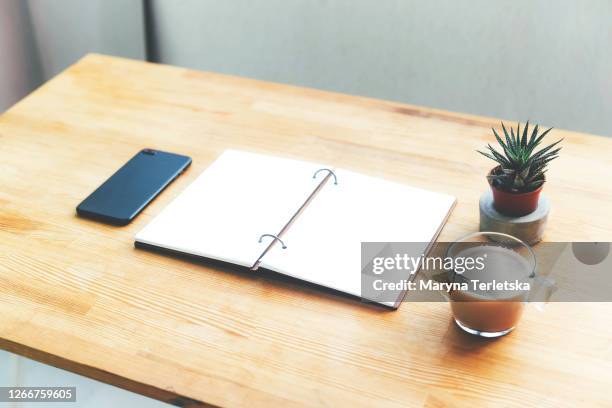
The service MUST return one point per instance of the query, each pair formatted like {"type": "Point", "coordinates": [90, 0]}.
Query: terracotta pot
{"type": "Point", "coordinates": [515, 204]}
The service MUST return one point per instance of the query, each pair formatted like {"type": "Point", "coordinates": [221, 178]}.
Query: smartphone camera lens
{"type": "Point", "coordinates": [150, 152]}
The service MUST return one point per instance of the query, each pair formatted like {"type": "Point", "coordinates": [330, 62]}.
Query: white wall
{"type": "Point", "coordinates": [65, 30]}
{"type": "Point", "coordinates": [40, 38]}
{"type": "Point", "coordinates": [19, 68]}
{"type": "Point", "coordinates": [548, 61]}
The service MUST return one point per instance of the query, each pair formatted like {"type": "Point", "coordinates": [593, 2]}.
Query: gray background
{"type": "Point", "coordinates": [548, 61]}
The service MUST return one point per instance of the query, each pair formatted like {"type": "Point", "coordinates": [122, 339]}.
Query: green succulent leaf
{"type": "Point", "coordinates": [511, 143]}
{"type": "Point", "coordinates": [533, 139]}
{"type": "Point", "coordinates": [542, 152]}
{"type": "Point", "coordinates": [521, 169]}
{"type": "Point", "coordinates": [524, 139]}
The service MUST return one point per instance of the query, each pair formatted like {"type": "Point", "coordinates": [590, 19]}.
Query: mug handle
{"type": "Point", "coordinates": [541, 294]}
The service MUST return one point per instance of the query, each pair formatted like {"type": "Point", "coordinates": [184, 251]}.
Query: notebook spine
{"type": "Point", "coordinates": [276, 237]}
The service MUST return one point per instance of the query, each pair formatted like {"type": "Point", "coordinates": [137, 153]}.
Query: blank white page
{"type": "Point", "coordinates": [235, 200]}
{"type": "Point", "coordinates": [324, 243]}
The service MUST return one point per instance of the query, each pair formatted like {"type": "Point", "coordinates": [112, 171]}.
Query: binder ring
{"type": "Point", "coordinates": [275, 238]}
{"type": "Point", "coordinates": [330, 171]}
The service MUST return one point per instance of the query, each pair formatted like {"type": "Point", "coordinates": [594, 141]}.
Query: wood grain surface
{"type": "Point", "coordinates": [76, 294]}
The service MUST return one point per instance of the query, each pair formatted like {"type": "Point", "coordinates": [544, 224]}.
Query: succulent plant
{"type": "Point", "coordinates": [521, 169]}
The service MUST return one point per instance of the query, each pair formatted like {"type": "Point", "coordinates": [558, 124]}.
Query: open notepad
{"type": "Point", "coordinates": [242, 196]}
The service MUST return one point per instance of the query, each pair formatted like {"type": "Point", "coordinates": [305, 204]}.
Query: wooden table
{"type": "Point", "coordinates": [77, 295]}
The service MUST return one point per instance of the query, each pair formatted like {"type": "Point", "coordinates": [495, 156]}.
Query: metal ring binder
{"type": "Point", "coordinates": [275, 237]}
{"type": "Point", "coordinates": [330, 172]}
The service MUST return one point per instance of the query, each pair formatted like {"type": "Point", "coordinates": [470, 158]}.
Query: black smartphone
{"type": "Point", "coordinates": [127, 192]}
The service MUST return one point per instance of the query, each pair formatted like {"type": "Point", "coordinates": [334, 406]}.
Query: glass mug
{"type": "Point", "coordinates": [483, 307]}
